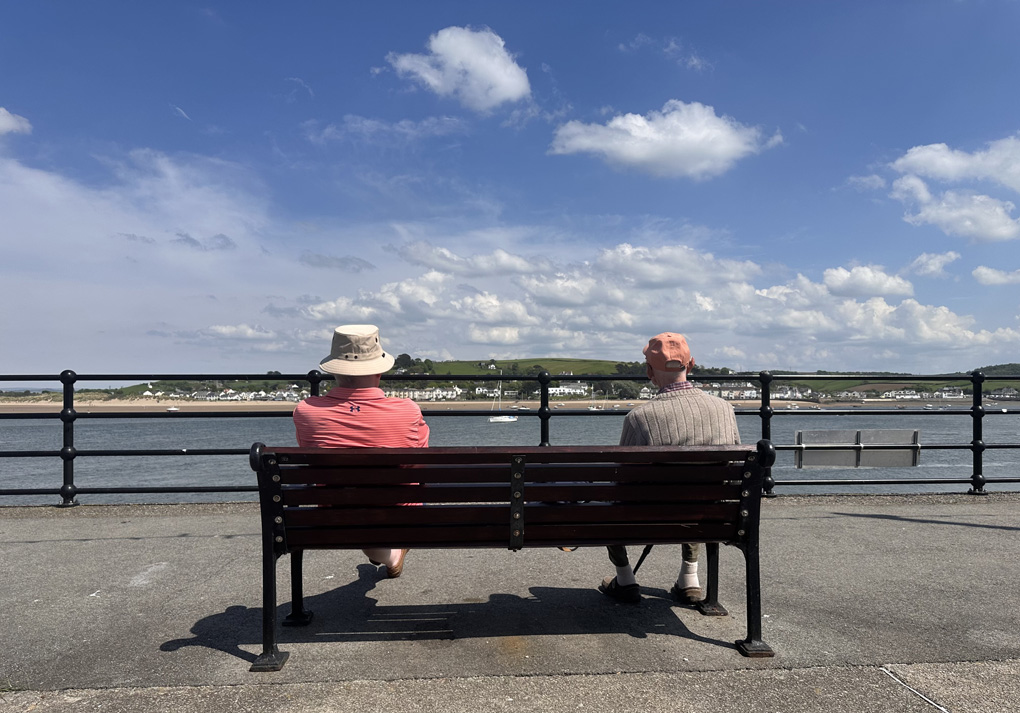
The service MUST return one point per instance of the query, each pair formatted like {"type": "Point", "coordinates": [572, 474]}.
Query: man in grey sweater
{"type": "Point", "coordinates": [680, 414]}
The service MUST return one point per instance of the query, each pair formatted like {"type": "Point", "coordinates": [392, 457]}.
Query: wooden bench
{"type": "Point", "coordinates": [510, 497]}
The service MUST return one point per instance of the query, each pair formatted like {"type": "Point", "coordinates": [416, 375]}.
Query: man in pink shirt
{"type": "Point", "coordinates": [356, 413]}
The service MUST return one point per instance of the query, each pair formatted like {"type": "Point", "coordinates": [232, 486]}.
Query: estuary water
{"type": "Point", "coordinates": [454, 430]}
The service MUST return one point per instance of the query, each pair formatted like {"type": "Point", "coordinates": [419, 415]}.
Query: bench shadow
{"type": "Point", "coordinates": [926, 521]}
{"type": "Point", "coordinates": [347, 613]}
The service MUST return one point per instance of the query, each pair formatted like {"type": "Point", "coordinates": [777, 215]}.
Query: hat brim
{"type": "Point", "coordinates": [350, 367]}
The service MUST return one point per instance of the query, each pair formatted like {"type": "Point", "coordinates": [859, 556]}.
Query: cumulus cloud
{"type": "Point", "coordinates": [999, 162]}
{"type": "Point", "coordinates": [673, 265]}
{"type": "Point", "coordinates": [865, 281]}
{"type": "Point", "coordinates": [473, 66]}
{"type": "Point", "coordinates": [13, 124]}
{"type": "Point", "coordinates": [932, 264]}
{"type": "Point", "coordinates": [964, 212]}
{"type": "Point", "coordinates": [683, 140]}
{"type": "Point", "coordinates": [992, 276]}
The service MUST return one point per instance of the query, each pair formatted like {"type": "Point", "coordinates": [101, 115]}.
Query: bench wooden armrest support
{"type": "Point", "coordinates": [512, 497]}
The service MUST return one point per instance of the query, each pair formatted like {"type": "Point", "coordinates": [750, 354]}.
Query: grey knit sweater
{"type": "Point", "coordinates": [688, 417]}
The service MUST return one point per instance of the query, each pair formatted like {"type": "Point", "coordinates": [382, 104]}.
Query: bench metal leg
{"type": "Point", "coordinates": [271, 658]}
{"type": "Point", "coordinates": [753, 646]}
{"type": "Point", "coordinates": [710, 606]}
{"type": "Point", "coordinates": [298, 616]}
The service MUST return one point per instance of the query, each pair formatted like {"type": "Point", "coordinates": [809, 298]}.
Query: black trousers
{"type": "Point", "coordinates": [618, 554]}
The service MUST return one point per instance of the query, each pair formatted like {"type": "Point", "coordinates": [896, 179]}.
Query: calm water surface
{"type": "Point", "coordinates": [177, 433]}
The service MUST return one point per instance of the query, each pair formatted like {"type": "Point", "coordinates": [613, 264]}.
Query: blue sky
{"type": "Point", "coordinates": [194, 187]}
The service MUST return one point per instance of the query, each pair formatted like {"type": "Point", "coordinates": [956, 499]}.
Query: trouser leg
{"type": "Point", "coordinates": [618, 555]}
{"type": "Point", "coordinates": [691, 552]}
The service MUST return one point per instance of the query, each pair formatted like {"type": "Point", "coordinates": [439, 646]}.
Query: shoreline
{"type": "Point", "coordinates": [14, 406]}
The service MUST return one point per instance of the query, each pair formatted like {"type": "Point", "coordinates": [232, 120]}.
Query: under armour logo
{"type": "Point", "coordinates": [355, 408]}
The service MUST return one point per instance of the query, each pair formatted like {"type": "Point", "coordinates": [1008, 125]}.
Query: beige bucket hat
{"type": "Point", "coordinates": [357, 351]}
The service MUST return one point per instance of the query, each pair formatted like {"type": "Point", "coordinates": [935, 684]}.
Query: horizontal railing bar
{"type": "Point", "coordinates": [254, 489]}
{"type": "Point", "coordinates": [894, 481]}
{"type": "Point", "coordinates": [244, 451]}
{"type": "Point", "coordinates": [140, 489]}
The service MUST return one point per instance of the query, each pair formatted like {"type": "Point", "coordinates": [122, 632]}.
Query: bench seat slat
{"type": "Point", "coordinates": [593, 513]}
{"type": "Point", "coordinates": [497, 535]}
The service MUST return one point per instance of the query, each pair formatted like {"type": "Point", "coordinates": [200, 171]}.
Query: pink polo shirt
{"type": "Point", "coordinates": [359, 418]}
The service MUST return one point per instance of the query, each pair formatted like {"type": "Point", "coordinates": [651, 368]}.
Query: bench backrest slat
{"type": "Point", "coordinates": [497, 473]}
{"type": "Point", "coordinates": [347, 457]}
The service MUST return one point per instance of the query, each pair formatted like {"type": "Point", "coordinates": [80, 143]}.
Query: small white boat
{"type": "Point", "coordinates": [497, 405]}
{"type": "Point", "coordinates": [172, 408]}
{"type": "Point", "coordinates": [502, 418]}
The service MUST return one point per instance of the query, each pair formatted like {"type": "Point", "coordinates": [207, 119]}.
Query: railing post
{"type": "Point", "coordinates": [544, 412]}
{"type": "Point", "coordinates": [765, 412]}
{"type": "Point", "coordinates": [67, 452]}
{"type": "Point", "coordinates": [977, 445]}
{"type": "Point", "coordinates": [314, 377]}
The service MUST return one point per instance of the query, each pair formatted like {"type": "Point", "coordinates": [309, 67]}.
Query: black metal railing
{"type": "Point", "coordinates": [68, 416]}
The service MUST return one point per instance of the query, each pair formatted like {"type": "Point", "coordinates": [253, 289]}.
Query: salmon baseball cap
{"type": "Point", "coordinates": [668, 352]}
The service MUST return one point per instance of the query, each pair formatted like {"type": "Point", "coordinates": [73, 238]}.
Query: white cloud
{"type": "Point", "coordinates": [865, 281]}
{"type": "Point", "coordinates": [682, 140]}
{"type": "Point", "coordinates": [911, 188]}
{"type": "Point", "coordinates": [967, 213]}
{"type": "Point", "coordinates": [961, 213]}
{"type": "Point", "coordinates": [993, 276]}
{"type": "Point", "coordinates": [498, 262]}
{"type": "Point", "coordinates": [472, 66]}
{"type": "Point", "coordinates": [506, 336]}
{"type": "Point", "coordinates": [242, 331]}
{"type": "Point", "coordinates": [13, 124]}
{"type": "Point", "coordinates": [672, 265]}
{"type": "Point", "coordinates": [1000, 162]}
{"type": "Point", "coordinates": [932, 264]}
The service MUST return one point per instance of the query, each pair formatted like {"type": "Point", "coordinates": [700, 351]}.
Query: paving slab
{"type": "Point", "coordinates": [131, 605]}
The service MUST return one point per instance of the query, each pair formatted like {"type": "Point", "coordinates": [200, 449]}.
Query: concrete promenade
{"type": "Point", "coordinates": [872, 603]}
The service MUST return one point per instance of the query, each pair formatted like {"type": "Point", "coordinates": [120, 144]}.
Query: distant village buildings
{"type": "Point", "coordinates": [729, 390]}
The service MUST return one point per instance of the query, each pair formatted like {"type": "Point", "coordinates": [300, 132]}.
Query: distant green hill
{"type": "Point", "coordinates": [525, 367]}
